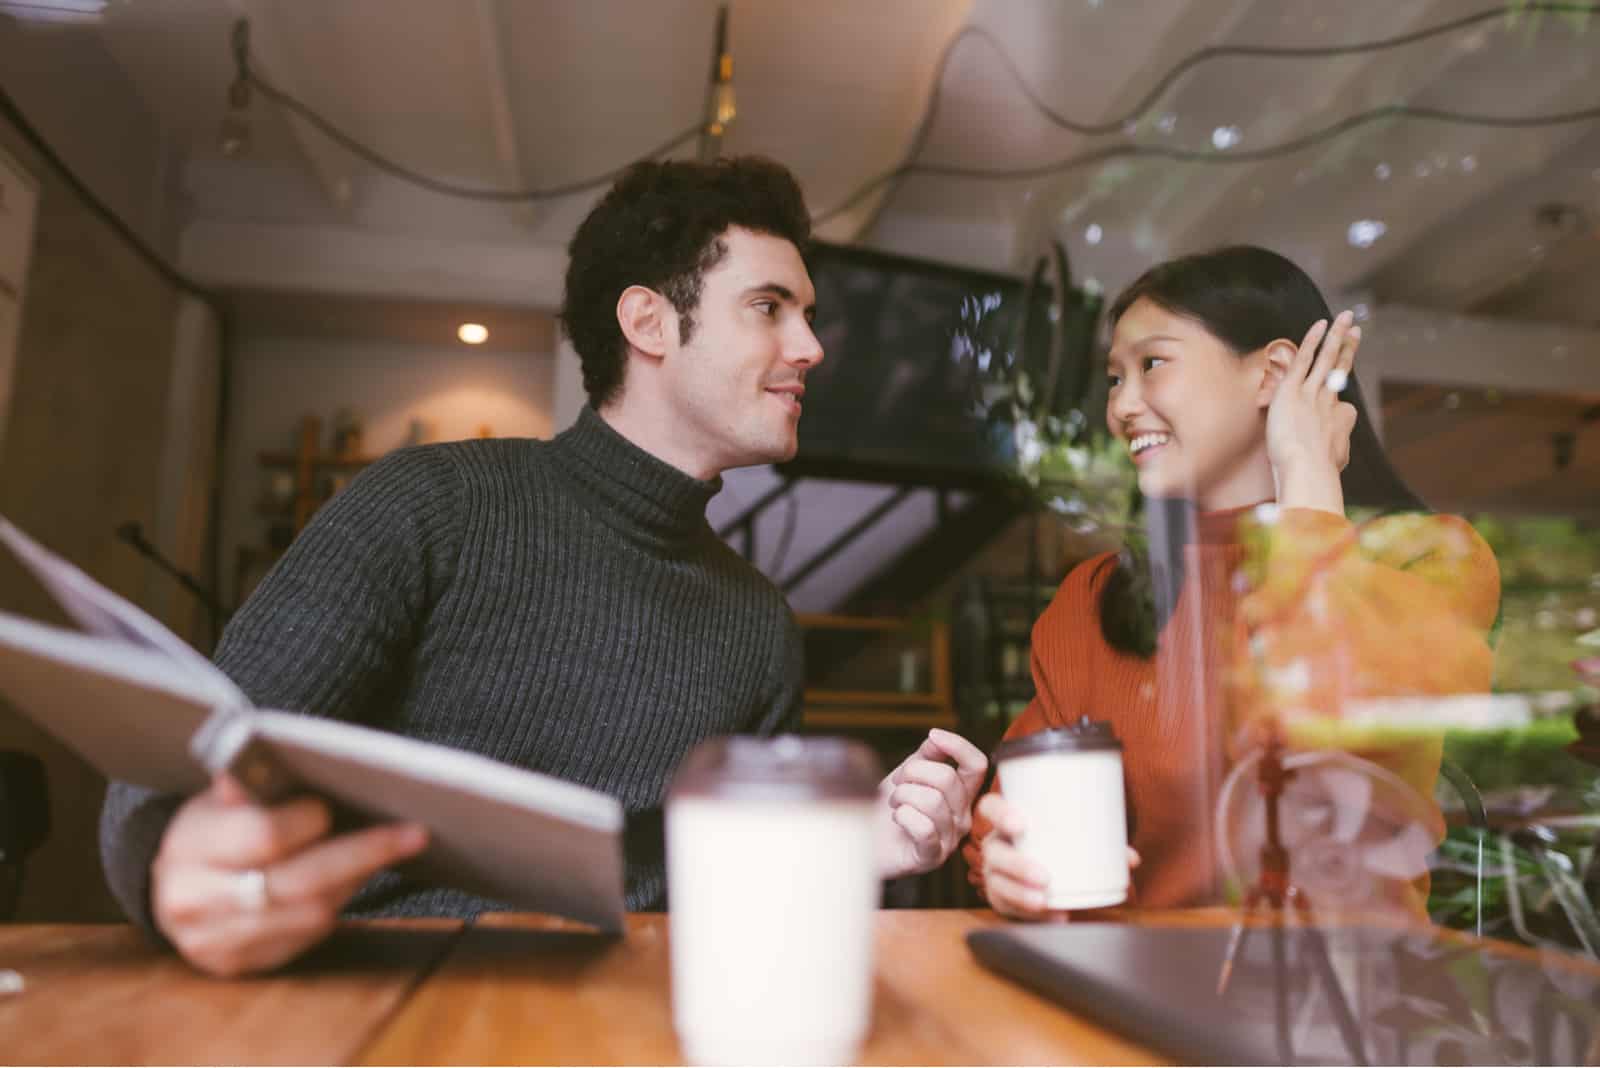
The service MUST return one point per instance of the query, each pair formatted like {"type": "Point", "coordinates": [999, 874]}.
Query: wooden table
{"type": "Point", "coordinates": [103, 995]}
{"type": "Point", "coordinates": [510, 989]}
{"type": "Point", "coordinates": [530, 990]}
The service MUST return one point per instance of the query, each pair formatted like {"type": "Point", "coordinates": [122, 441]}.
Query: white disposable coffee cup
{"type": "Point", "coordinates": [772, 885]}
{"type": "Point", "coordinates": [1067, 783]}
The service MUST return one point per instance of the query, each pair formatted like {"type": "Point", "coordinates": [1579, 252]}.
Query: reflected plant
{"type": "Point", "coordinates": [1085, 477]}
{"type": "Point", "coordinates": [1530, 13]}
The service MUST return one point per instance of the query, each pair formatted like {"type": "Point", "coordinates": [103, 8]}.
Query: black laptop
{"type": "Point", "coordinates": [1340, 996]}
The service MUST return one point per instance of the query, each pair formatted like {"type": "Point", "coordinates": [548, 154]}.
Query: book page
{"type": "Point", "coordinates": [120, 707]}
{"type": "Point", "coordinates": [506, 833]}
{"type": "Point", "coordinates": [101, 612]}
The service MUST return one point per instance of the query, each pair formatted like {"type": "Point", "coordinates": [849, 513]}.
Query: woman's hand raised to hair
{"type": "Point", "coordinates": [1308, 425]}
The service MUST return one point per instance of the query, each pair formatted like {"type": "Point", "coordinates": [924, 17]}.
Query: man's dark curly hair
{"type": "Point", "coordinates": [661, 226]}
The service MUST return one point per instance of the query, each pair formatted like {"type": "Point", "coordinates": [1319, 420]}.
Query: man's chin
{"type": "Point", "coordinates": [768, 453]}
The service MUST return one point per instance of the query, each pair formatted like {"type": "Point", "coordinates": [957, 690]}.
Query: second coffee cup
{"type": "Point", "coordinates": [1067, 783]}
{"type": "Point", "coordinates": [772, 885]}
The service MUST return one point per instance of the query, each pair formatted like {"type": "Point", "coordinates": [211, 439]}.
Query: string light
{"type": "Point", "coordinates": [722, 109]}
{"type": "Point", "coordinates": [233, 136]}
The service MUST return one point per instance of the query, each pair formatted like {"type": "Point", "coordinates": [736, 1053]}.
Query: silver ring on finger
{"type": "Point", "coordinates": [250, 890]}
{"type": "Point", "coordinates": [1338, 378]}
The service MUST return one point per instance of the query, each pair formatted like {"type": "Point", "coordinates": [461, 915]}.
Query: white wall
{"type": "Point", "coordinates": [188, 470]}
{"type": "Point", "coordinates": [277, 381]}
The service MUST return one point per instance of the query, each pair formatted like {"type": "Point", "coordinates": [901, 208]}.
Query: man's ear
{"type": "Point", "coordinates": [645, 318]}
{"type": "Point", "coordinates": [1275, 361]}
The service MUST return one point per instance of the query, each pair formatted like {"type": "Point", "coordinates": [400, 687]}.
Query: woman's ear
{"type": "Point", "coordinates": [1276, 358]}
{"type": "Point", "coordinates": [643, 314]}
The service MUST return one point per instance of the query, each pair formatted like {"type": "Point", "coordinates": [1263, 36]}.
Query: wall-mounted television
{"type": "Point", "coordinates": [914, 353]}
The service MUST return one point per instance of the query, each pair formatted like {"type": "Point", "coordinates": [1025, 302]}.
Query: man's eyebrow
{"type": "Point", "coordinates": [782, 292]}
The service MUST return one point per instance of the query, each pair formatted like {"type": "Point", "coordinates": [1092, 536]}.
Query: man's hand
{"type": "Point", "coordinates": [240, 888]}
{"type": "Point", "coordinates": [925, 804]}
{"type": "Point", "coordinates": [1014, 884]}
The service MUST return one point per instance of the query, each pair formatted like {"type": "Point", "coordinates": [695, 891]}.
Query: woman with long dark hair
{"type": "Point", "coordinates": [1231, 386]}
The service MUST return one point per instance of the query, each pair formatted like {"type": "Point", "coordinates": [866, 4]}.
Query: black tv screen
{"type": "Point", "coordinates": [915, 353]}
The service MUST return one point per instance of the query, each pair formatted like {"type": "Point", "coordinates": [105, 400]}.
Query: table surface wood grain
{"type": "Point", "coordinates": [98, 994]}
{"type": "Point", "coordinates": [535, 990]}
{"type": "Point", "coordinates": [510, 989]}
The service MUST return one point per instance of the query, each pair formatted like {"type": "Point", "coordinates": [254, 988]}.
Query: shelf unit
{"type": "Point", "coordinates": [309, 464]}
{"type": "Point", "coordinates": [873, 709]}
{"type": "Point", "coordinates": [311, 470]}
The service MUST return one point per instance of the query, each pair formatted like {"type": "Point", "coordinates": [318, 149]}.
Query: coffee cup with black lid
{"type": "Point", "coordinates": [773, 884]}
{"type": "Point", "coordinates": [1067, 783]}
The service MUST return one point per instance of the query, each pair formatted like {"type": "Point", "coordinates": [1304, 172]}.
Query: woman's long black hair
{"type": "Point", "coordinates": [1247, 298]}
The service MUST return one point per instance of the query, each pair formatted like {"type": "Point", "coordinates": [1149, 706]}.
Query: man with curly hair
{"type": "Point", "coordinates": [561, 606]}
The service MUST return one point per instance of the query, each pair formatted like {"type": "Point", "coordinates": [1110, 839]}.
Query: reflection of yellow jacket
{"type": "Point", "coordinates": [1322, 611]}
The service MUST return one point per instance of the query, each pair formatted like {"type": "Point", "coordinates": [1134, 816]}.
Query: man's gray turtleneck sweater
{"type": "Point", "coordinates": [561, 606]}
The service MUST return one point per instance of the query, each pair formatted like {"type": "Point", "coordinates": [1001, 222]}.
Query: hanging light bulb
{"type": "Point", "coordinates": [233, 136]}
{"type": "Point", "coordinates": [721, 107]}
{"type": "Point", "coordinates": [724, 107]}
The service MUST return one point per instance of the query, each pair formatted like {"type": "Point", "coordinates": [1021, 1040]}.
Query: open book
{"type": "Point", "coordinates": [143, 707]}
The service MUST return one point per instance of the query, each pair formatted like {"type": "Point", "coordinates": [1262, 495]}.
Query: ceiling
{"type": "Point", "coordinates": [532, 93]}
{"type": "Point", "coordinates": [1496, 450]}
{"type": "Point", "coordinates": [1452, 218]}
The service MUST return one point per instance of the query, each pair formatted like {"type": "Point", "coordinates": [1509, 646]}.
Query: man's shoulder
{"type": "Point", "coordinates": [471, 452]}
{"type": "Point", "coordinates": [453, 465]}
{"type": "Point", "coordinates": [740, 574]}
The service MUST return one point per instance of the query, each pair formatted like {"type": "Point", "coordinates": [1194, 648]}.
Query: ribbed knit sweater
{"type": "Point", "coordinates": [1405, 609]}
{"type": "Point", "coordinates": [560, 606]}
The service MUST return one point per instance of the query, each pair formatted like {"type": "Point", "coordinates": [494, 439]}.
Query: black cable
{"type": "Point", "coordinates": [1206, 55]}
{"type": "Point", "coordinates": [504, 196]}
{"type": "Point", "coordinates": [1127, 151]}
{"type": "Point", "coordinates": [908, 165]}
{"type": "Point", "coordinates": [36, 141]}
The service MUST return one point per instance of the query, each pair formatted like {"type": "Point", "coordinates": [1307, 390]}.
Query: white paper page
{"type": "Point", "coordinates": [506, 833]}
{"type": "Point", "coordinates": [99, 611]}
{"type": "Point", "coordinates": [128, 711]}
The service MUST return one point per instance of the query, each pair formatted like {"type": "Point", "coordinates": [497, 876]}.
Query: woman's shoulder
{"type": "Point", "coordinates": [1076, 600]}
{"type": "Point", "coordinates": [1088, 577]}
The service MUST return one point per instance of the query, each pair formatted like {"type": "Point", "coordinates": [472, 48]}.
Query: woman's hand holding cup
{"type": "Point", "coordinates": [1016, 885]}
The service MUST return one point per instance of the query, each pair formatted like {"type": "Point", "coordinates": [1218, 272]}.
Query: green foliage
{"type": "Point", "coordinates": [1534, 755]}
{"type": "Point", "coordinates": [1456, 898]}
{"type": "Point", "coordinates": [1499, 762]}
{"type": "Point", "coordinates": [1541, 550]}
{"type": "Point", "coordinates": [1550, 572]}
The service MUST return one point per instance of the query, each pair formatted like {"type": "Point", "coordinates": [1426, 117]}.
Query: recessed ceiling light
{"type": "Point", "coordinates": [473, 333]}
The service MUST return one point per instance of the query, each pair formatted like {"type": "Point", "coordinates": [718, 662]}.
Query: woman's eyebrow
{"type": "Point", "coordinates": [1137, 343]}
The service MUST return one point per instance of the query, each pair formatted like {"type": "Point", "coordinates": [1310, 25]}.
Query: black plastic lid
{"type": "Point", "coordinates": [785, 768]}
{"type": "Point", "coordinates": [1086, 734]}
